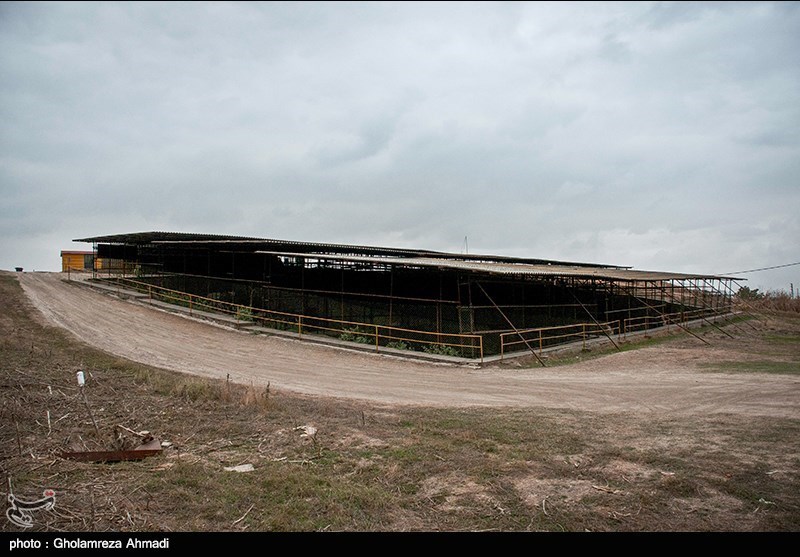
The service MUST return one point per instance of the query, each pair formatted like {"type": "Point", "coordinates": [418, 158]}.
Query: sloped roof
{"type": "Point", "coordinates": [505, 268]}
{"type": "Point", "coordinates": [267, 244]}
{"type": "Point", "coordinates": [374, 255]}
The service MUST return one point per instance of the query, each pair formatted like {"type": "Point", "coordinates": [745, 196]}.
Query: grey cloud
{"type": "Point", "coordinates": [616, 132]}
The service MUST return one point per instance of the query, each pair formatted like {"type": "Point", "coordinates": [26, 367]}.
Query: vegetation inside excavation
{"type": "Point", "coordinates": [329, 465]}
{"type": "Point", "coordinates": [549, 310]}
{"type": "Point", "coordinates": [437, 302]}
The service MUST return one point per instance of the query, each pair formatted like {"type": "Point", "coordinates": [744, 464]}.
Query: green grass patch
{"type": "Point", "coordinates": [758, 366]}
{"type": "Point", "coordinates": [782, 339]}
{"type": "Point", "coordinates": [281, 496]}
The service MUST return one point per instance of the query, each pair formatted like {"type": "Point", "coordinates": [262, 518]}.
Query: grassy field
{"type": "Point", "coordinates": [372, 467]}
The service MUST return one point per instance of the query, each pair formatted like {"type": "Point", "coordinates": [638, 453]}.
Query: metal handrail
{"type": "Point", "coordinates": [305, 322]}
{"type": "Point", "coordinates": [646, 322]}
{"type": "Point", "coordinates": [586, 330]}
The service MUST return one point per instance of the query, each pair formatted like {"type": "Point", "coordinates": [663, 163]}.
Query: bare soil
{"type": "Point", "coordinates": [660, 379]}
{"type": "Point", "coordinates": [673, 435]}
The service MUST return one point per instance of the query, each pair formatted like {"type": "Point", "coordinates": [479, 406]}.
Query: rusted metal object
{"type": "Point", "coordinates": [151, 448]}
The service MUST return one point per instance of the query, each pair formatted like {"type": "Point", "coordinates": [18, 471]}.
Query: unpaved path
{"type": "Point", "coordinates": [662, 379]}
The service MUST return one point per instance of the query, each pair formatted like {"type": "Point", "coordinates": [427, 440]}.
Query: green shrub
{"type": "Point", "coordinates": [356, 334]}
{"type": "Point", "coordinates": [441, 350]}
{"type": "Point", "coordinates": [244, 314]}
{"type": "Point", "coordinates": [398, 344]}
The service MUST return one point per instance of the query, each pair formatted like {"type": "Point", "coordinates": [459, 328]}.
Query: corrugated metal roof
{"type": "Point", "coordinates": [267, 244]}
{"type": "Point", "coordinates": [501, 268]}
{"type": "Point", "coordinates": [149, 237]}
{"type": "Point", "coordinates": [492, 264]}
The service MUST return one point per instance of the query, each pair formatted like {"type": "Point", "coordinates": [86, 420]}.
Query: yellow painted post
{"type": "Point", "coordinates": [300, 325]}
{"type": "Point", "coordinates": [376, 338]}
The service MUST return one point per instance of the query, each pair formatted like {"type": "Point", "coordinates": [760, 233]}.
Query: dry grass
{"type": "Point", "coordinates": [368, 467]}
{"type": "Point", "coordinates": [772, 301]}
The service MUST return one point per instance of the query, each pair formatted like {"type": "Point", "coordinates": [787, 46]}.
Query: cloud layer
{"type": "Point", "coordinates": [659, 135]}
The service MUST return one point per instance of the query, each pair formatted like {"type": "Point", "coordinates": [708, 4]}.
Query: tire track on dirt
{"type": "Point", "coordinates": [649, 380]}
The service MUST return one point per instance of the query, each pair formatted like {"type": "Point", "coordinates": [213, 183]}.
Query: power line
{"type": "Point", "coordinates": [762, 269]}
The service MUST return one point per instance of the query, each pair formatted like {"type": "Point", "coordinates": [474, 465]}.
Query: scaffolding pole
{"type": "Point", "coordinates": [765, 310]}
{"type": "Point", "coordinates": [589, 313]}
{"type": "Point", "coordinates": [663, 316]}
{"type": "Point", "coordinates": [512, 325]}
{"type": "Point", "coordinates": [730, 305]}
{"type": "Point", "coordinates": [702, 317]}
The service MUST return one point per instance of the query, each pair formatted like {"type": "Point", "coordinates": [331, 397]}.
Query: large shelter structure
{"type": "Point", "coordinates": [468, 305]}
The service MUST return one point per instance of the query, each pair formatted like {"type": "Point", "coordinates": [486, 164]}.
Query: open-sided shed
{"type": "Point", "coordinates": [456, 303]}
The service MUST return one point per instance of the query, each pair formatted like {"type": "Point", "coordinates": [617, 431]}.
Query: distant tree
{"type": "Point", "coordinates": [746, 293]}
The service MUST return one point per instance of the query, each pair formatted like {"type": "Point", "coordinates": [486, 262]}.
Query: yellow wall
{"type": "Point", "coordinates": [73, 262]}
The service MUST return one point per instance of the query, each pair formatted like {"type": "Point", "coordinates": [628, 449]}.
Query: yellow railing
{"type": "Point", "coordinates": [70, 269]}
{"type": "Point", "coordinates": [364, 333]}
{"type": "Point", "coordinates": [647, 322]}
{"type": "Point", "coordinates": [105, 271]}
{"type": "Point", "coordinates": [536, 339]}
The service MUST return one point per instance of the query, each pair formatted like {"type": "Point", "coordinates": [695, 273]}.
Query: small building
{"type": "Point", "coordinates": [77, 261]}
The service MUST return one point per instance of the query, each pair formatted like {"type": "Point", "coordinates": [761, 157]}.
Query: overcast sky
{"type": "Point", "coordinates": [664, 136]}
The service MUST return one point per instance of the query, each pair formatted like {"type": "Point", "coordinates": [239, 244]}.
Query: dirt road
{"type": "Point", "coordinates": [664, 379]}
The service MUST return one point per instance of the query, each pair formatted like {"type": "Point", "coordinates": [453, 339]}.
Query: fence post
{"type": "Point", "coordinates": [190, 304]}
{"type": "Point", "coordinates": [299, 325]}
{"type": "Point", "coordinates": [583, 335]}
{"type": "Point", "coordinates": [540, 342]}
{"type": "Point", "coordinates": [376, 338]}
